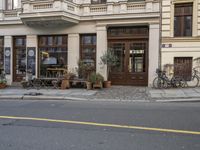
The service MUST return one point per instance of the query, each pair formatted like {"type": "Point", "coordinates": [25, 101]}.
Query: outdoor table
{"type": "Point", "coordinates": [57, 72]}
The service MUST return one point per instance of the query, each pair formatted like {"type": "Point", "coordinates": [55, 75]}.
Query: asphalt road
{"type": "Point", "coordinates": [33, 134]}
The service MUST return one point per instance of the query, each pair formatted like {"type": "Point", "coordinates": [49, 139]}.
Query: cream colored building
{"type": "Point", "coordinates": [43, 34]}
{"type": "Point", "coordinates": [180, 36]}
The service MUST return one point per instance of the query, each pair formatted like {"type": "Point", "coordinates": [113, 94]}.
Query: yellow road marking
{"type": "Point", "coordinates": [103, 125]}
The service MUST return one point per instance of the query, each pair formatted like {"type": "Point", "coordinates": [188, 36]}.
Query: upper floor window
{"type": "Point", "coordinates": [11, 4]}
{"type": "Point", "coordinates": [98, 1]}
{"type": "Point", "coordinates": [183, 20]}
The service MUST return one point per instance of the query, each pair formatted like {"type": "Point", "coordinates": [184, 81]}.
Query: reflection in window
{"type": "Point", "coordinates": [53, 55]}
{"type": "Point", "coordinates": [119, 51]}
{"type": "Point", "coordinates": [137, 57]}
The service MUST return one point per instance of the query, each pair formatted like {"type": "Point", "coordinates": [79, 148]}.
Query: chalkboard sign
{"type": "Point", "coordinates": [31, 56]}
{"type": "Point", "coordinates": [7, 52]}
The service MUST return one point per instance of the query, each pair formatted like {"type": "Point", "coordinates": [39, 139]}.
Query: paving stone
{"type": "Point", "coordinates": [156, 95]}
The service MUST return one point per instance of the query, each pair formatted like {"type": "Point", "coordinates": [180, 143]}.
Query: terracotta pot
{"type": "Point", "coordinates": [89, 85]}
{"type": "Point", "coordinates": [98, 85]}
{"type": "Point", "coordinates": [107, 84]}
{"type": "Point", "coordinates": [2, 85]}
{"type": "Point", "coordinates": [65, 84]}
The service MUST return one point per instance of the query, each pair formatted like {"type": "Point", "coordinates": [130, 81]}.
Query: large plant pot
{"type": "Point", "coordinates": [98, 85]}
{"type": "Point", "coordinates": [107, 84]}
{"type": "Point", "coordinates": [65, 84]}
{"type": "Point", "coordinates": [89, 85]}
{"type": "Point", "coordinates": [3, 85]}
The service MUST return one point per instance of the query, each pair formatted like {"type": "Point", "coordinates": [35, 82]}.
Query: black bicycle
{"type": "Point", "coordinates": [162, 81]}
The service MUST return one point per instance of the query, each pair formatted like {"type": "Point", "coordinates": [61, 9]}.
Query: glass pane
{"type": "Point", "coordinates": [188, 26]}
{"type": "Point", "coordinates": [59, 40]}
{"type": "Point", "coordinates": [119, 51]}
{"type": "Point", "coordinates": [177, 26]}
{"type": "Point", "coordinates": [87, 39]}
{"type": "Point", "coordinates": [88, 50]}
{"type": "Point", "coordinates": [137, 57]}
{"type": "Point", "coordinates": [50, 40]}
{"type": "Point", "coordinates": [20, 60]}
{"type": "Point", "coordinates": [53, 57]}
{"type": "Point", "coordinates": [20, 41]}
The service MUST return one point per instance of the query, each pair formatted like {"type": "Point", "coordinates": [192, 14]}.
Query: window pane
{"type": "Point", "coordinates": [88, 49]}
{"type": "Point", "coordinates": [53, 56]}
{"type": "Point", "coordinates": [177, 26]}
{"type": "Point", "coordinates": [183, 19]}
{"type": "Point", "coordinates": [188, 26]}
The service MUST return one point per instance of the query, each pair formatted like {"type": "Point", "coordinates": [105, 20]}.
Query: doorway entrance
{"type": "Point", "coordinates": [130, 45]}
{"type": "Point", "coordinates": [132, 66]}
{"type": "Point", "coordinates": [19, 58]}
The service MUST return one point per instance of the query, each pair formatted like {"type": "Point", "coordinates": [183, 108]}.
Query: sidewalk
{"type": "Point", "coordinates": [115, 93]}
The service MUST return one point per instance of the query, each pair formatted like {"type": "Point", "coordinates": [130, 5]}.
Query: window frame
{"type": "Point", "coordinates": [92, 46]}
{"type": "Point", "coordinates": [54, 45]}
{"type": "Point", "coordinates": [99, 2]}
{"type": "Point", "coordinates": [182, 15]}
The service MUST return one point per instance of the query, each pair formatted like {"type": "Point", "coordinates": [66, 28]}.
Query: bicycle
{"type": "Point", "coordinates": [162, 81]}
{"type": "Point", "coordinates": [193, 81]}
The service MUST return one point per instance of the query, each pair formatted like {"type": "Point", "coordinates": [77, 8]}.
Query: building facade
{"type": "Point", "coordinates": [43, 34]}
{"type": "Point", "coordinates": [180, 37]}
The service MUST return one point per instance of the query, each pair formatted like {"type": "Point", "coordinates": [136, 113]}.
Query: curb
{"type": "Point", "coordinates": [48, 97]}
{"type": "Point", "coordinates": [179, 100]}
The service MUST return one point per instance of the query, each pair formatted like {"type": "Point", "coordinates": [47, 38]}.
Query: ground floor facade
{"type": "Point", "coordinates": [42, 49]}
{"type": "Point", "coordinates": [180, 56]}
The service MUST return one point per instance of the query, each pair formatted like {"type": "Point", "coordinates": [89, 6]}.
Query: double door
{"type": "Point", "coordinates": [132, 66]}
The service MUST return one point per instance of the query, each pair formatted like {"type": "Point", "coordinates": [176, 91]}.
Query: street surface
{"type": "Point", "coordinates": [68, 125]}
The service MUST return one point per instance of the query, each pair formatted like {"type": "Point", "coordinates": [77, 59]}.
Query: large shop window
{"type": "Point", "coordinates": [1, 53]}
{"type": "Point", "coordinates": [88, 49]}
{"type": "Point", "coordinates": [53, 55]}
{"type": "Point", "coordinates": [183, 20]}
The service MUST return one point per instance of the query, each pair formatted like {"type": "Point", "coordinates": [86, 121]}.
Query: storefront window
{"type": "Point", "coordinates": [53, 55]}
{"type": "Point", "coordinates": [88, 49]}
{"type": "Point", "coordinates": [1, 53]}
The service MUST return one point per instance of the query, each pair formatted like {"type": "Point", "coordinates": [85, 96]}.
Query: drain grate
{"type": "Point", "coordinates": [33, 93]}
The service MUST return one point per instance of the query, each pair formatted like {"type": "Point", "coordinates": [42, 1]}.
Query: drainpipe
{"type": "Point", "coordinates": [160, 38]}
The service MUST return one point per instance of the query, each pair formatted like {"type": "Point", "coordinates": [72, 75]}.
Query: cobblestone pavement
{"type": "Point", "coordinates": [121, 93]}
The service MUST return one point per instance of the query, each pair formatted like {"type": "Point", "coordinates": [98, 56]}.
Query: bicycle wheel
{"type": "Point", "coordinates": [158, 83]}
{"type": "Point", "coordinates": [178, 82]}
{"type": "Point", "coordinates": [194, 82]}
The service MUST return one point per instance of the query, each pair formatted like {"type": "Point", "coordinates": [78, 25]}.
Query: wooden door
{"type": "Point", "coordinates": [137, 63]}
{"type": "Point", "coordinates": [183, 67]}
{"type": "Point", "coordinates": [19, 58]}
{"type": "Point", "coordinates": [132, 66]}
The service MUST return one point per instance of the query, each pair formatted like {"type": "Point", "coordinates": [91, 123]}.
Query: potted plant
{"type": "Point", "coordinates": [96, 79]}
{"type": "Point", "coordinates": [111, 60]}
{"type": "Point", "coordinates": [84, 70]}
{"type": "Point", "coordinates": [3, 81]}
{"type": "Point", "coordinates": [65, 81]}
